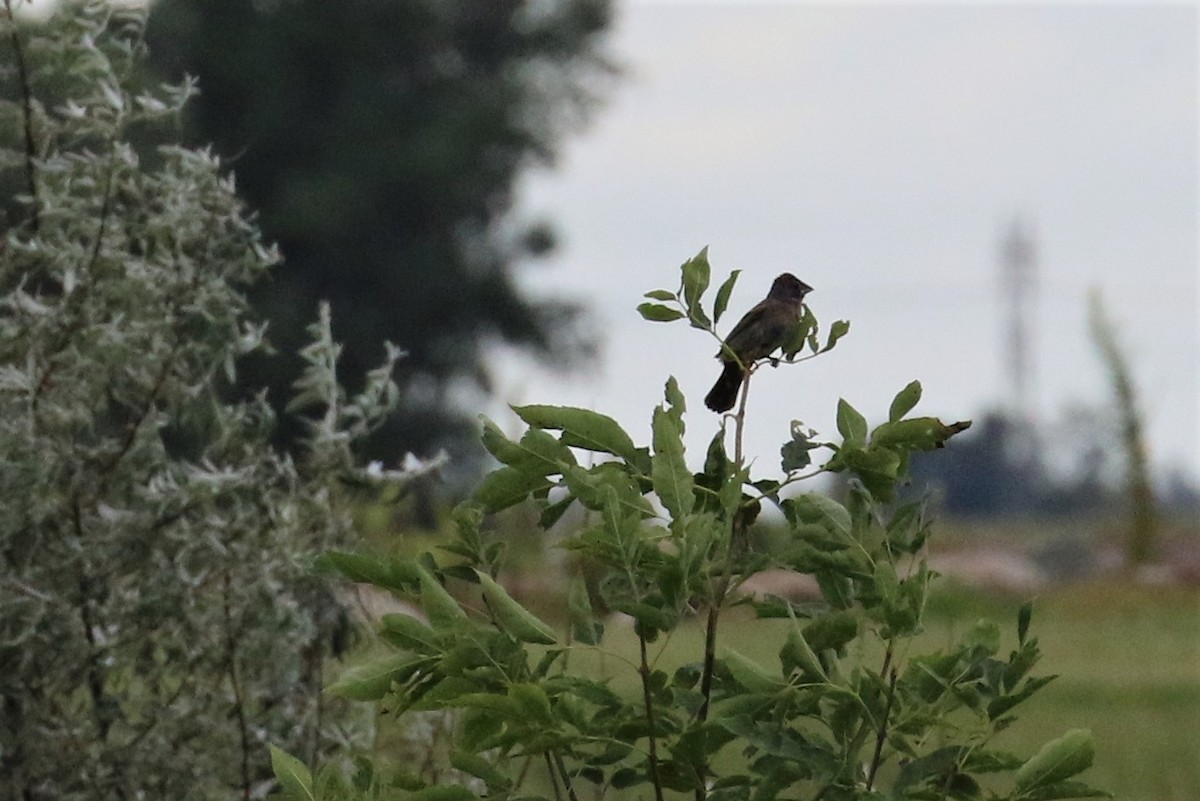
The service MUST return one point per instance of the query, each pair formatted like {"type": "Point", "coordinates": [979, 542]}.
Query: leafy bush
{"type": "Point", "coordinates": [849, 711]}
{"type": "Point", "coordinates": [158, 623]}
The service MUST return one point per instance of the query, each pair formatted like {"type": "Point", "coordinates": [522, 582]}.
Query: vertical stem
{"type": "Point", "coordinates": [650, 728]}
{"type": "Point", "coordinates": [562, 769]}
{"type": "Point", "coordinates": [737, 536]}
{"type": "Point", "coordinates": [881, 735]}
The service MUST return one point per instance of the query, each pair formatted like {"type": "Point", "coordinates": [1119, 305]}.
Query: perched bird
{"type": "Point", "coordinates": [763, 329]}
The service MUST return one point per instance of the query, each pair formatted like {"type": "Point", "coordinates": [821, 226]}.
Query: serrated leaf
{"type": "Point", "coordinates": [723, 293]}
{"type": "Point", "coordinates": [904, 401]}
{"type": "Point", "coordinates": [292, 775]}
{"type": "Point", "coordinates": [657, 313]}
{"type": "Point", "coordinates": [660, 294]}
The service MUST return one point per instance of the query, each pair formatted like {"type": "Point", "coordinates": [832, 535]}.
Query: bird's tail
{"type": "Point", "coordinates": [724, 393]}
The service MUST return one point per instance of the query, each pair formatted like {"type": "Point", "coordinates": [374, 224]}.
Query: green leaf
{"type": "Point", "coordinates": [513, 618]}
{"type": "Point", "coordinates": [831, 632]}
{"type": "Point", "coordinates": [723, 294]}
{"type": "Point", "coordinates": [916, 434]}
{"type": "Point", "coordinates": [838, 330]}
{"type": "Point", "coordinates": [749, 674]}
{"type": "Point", "coordinates": [696, 275]}
{"type": "Point", "coordinates": [669, 473]}
{"type": "Point", "coordinates": [657, 313]}
{"type": "Point", "coordinates": [389, 573]}
{"type": "Point", "coordinates": [660, 294]}
{"type": "Point", "coordinates": [439, 606]}
{"type": "Point", "coordinates": [812, 507]}
{"type": "Point", "coordinates": [477, 766]}
{"type": "Point", "coordinates": [538, 453]}
{"type": "Point", "coordinates": [998, 706]}
{"type": "Point", "coordinates": [796, 453]}
{"type": "Point", "coordinates": [797, 654]}
{"type": "Point", "coordinates": [851, 425]}
{"type": "Point", "coordinates": [373, 680]}
{"type": "Point", "coordinates": [293, 776]}
{"type": "Point", "coordinates": [405, 631]}
{"type": "Point", "coordinates": [1024, 616]}
{"type": "Point", "coordinates": [582, 428]}
{"type": "Point", "coordinates": [531, 702]}
{"type": "Point", "coordinates": [1056, 761]}
{"type": "Point", "coordinates": [507, 487]}
{"type": "Point", "coordinates": [904, 401]}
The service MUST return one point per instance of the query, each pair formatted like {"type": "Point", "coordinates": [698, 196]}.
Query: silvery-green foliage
{"type": "Point", "coordinates": [158, 623]}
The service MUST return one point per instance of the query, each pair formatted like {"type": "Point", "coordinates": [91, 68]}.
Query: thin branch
{"type": "Point", "coordinates": [644, 670]}
{"type": "Point", "coordinates": [550, 768]}
{"type": "Point", "coordinates": [881, 736]}
{"type": "Point", "coordinates": [566, 777]}
{"type": "Point", "coordinates": [27, 114]}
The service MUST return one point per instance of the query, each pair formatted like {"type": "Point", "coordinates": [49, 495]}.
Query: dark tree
{"type": "Point", "coordinates": [381, 141]}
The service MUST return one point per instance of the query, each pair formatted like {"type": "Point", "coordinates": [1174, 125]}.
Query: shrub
{"type": "Point", "coordinates": [158, 623]}
{"type": "Point", "coordinates": [850, 710]}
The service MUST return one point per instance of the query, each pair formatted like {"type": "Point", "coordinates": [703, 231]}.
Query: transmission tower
{"type": "Point", "coordinates": [1018, 267]}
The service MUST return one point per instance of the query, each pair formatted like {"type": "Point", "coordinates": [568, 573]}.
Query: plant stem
{"type": "Point", "coordinates": [737, 534]}
{"type": "Point", "coordinates": [881, 736]}
{"type": "Point", "coordinates": [562, 769]}
{"type": "Point", "coordinates": [644, 670]}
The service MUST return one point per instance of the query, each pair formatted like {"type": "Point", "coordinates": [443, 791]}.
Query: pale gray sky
{"type": "Point", "coordinates": [878, 151]}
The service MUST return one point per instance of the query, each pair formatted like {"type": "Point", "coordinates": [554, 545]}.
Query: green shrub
{"type": "Point", "coordinates": [158, 620]}
{"type": "Point", "coordinates": [848, 710]}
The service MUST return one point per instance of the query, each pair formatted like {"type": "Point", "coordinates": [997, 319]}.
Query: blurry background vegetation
{"type": "Point", "coordinates": [381, 143]}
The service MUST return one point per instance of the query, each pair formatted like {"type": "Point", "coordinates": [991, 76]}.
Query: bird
{"type": "Point", "coordinates": [760, 331]}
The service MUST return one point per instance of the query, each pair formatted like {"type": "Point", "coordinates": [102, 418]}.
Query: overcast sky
{"type": "Point", "coordinates": [879, 152]}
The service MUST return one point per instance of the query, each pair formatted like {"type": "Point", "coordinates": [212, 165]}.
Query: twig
{"type": "Point", "coordinates": [27, 114]}
{"type": "Point", "coordinates": [881, 736]}
{"type": "Point", "coordinates": [644, 670]}
{"type": "Point", "coordinates": [553, 776]}
{"type": "Point", "coordinates": [562, 769]}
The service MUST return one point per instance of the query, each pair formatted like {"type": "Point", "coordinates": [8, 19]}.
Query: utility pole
{"type": "Point", "coordinates": [1018, 267]}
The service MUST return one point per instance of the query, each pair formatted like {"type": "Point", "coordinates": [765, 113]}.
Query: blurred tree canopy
{"type": "Point", "coordinates": [381, 142]}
